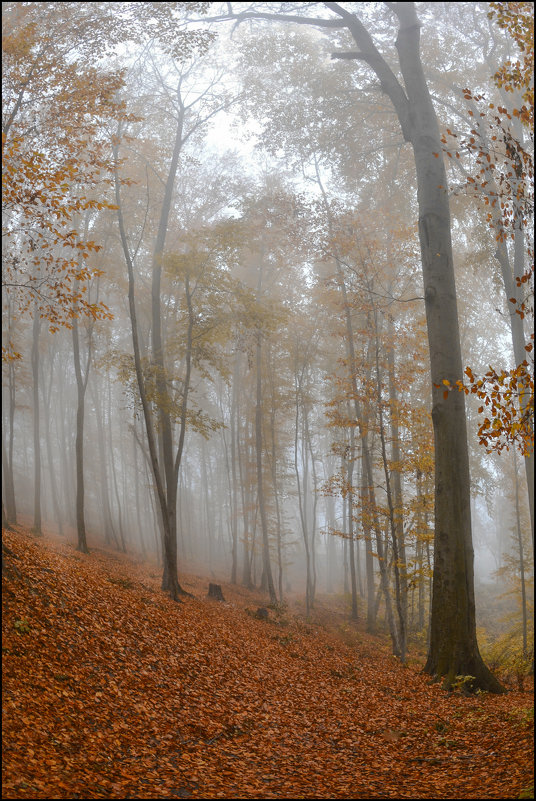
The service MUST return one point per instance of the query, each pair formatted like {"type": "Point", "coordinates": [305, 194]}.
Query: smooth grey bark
{"type": "Point", "coordinates": [395, 533]}
{"type": "Point", "coordinates": [9, 508]}
{"type": "Point", "coordinates": [367, 535]}
{"type": "Point", "coordinates": [36, 431]}
{"type": "Point", "coordinates": [419, 552]}
{"type": "Point", "coordinates": [345, 567]}
{"type": "Point", "coordinates": [246, 502]}
{"type": "Point", "coordinates": [206, 487]}
{"type": "Point", "coordinates": [302, 492]}
{"type": "Point", "coordinates": [521, 559]}
{"type": "Point", "coordinates": [8, 482]}
{"type": "Point", "coordinates": [267, 569]}
{"type": "Point", "coordinates": [381, 551]}
{"type": "Point", "coordinates": [81, 386]}
{"type": "Point", "coordinates": [137, 496]}
{"type": "Point", "coordinates": [65, 453]}
{"type": "Point", "coordinates": [330, 541]}
{"type": "Point", "coordinates": [113, 471]}
{"type": "Point", "coordinates": [51, 468]}
{"type": "Point", "coordinates": [395, 468]}
{"type": "Point", "coordinates": [108, 526]}
{"type": "Point", "coordinates": [309, 447]}
{"type": "Point", "coordinates": [350, 462]}
{"type": "Point", "coordinates": [234, 491]}
{"type": "Point", "coordinates": [170, 580]}
{"type": "Point", "coordinates": [276, 486]}
{"type": "Point", "coordinates": [231, 481]}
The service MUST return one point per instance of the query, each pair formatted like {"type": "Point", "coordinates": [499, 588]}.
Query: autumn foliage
{"type": "Point", "coordinates": [500, 177]}
{"type": "Point", "coordinates": [56, 159]}
{"type": "Point", "coordinates": [111, 690]}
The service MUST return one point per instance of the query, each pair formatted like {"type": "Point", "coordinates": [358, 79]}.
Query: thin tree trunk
{"type": "Point", "coordinates": [369, 560]}
{"type": "Point", "coordinates": [81, 384]}
{"type": "Point", "coordinates": [302, 505]}
{"type": "Point", "coordinates": [109, 530]}
{"type": "Point", "coordinates": [396, 469]}
{"type": "Point", "coordinates": [51, 467]}
{"type": "Point", "coordinates": [260, 483]}
{"type": "Point", "coordinates": [7, 453]}
{"type": "Point", "coordinates": [350, 511]}
{"type": "Point", "coordinates": [234, 485]}
{"type": "Point", "coordinates": [36, 433]}
{"type": "Point", "coordinates": [401, 608]}
{"type": "Point", "coordinates": [521, 559]}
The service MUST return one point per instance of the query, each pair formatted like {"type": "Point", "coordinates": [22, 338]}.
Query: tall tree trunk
{"type": "Point", "coordinates": [36, 433]}
{"type": "Point", "coordinates": [350, 497]}
{"type": "Point", "coordinates": [113, 471]}
{"type": "Point", "coordinates": [367, 533]}
{"type": "Point", "coordinates": [260, 482]}
{"type": "Point", "coordinates": [521, 559]}
{"type": "Point", "coordinates": [8, 482]}
{"type": "Point", "coordinates": [395, 535]}
{"type": "Point", "coordinates": [170, 580]}
{"type": "Point", "coordinates": [50, 459]}
{"type": "Point", "coordinates": [81, 385]}
{"type": "Point", "coordinates": [9, 487]}
{"type": "Point", "coordinates": [277, 504]}
{"type": "Point", "coordinates": [234, 484]}
{"type": "Point", "coordinates": [302, 493]}
{"type": "Point", "coordinates": [7, 453]}
{"type": "Point", "coordinates": [167, 531]}
{"type": "Point", "coordinates": [453, 645]}
{"type": "Point", "coordinates": [137, 496]}
{"type": "Point", "coordinates": [396, 469]}
{"type": "Point", "coordinates": [109, 530]}
{"type": "Point", "coordinates": [309, 446]}
{"type": "Point", "coordinates": [243, 473]}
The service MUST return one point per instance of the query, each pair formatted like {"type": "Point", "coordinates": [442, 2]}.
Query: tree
{"type": "Point", "coordinates": [166, 465]}
{"type": "Point", "coordinates": [453, 645]}
{"type": "Point", "coordinates": [55, 157]}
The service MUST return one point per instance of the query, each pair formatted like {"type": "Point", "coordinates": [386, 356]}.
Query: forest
{"type": "Point", "coordinates": [267, 399]}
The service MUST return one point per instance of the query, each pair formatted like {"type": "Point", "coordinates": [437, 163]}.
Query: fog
{"type": "Point", "coordinates": [213, 302]}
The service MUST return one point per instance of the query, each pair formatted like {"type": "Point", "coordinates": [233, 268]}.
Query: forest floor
{"type": "Point", "coordinates": [112, 690]}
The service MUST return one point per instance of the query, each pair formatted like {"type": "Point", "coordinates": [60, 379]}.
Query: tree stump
{"type": "Point", "coordinates": [261, 613]}
{"type": "Point", "coordinates": [214, 591]}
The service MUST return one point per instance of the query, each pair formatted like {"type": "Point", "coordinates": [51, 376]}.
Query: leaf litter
{"type": "Point", "coordinates": [112, 690]}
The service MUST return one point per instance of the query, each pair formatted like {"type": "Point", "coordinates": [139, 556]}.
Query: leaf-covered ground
{"type": "Point", "coordinates": [111, 690]}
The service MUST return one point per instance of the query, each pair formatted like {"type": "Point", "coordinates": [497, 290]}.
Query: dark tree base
{"type": "Point", "coordinates": [474, 675]}
{"type": "Point", "coordinates": [214, 591]}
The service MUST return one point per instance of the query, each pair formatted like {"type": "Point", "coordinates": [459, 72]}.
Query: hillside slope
{"type": "Point", "coordinates": [111, 690]}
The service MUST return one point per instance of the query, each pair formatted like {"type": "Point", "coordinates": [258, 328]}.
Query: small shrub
{"type": "Point", "coordinates": [505, 657]}
{"type": "Point", "coordinates": [21, 626]}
